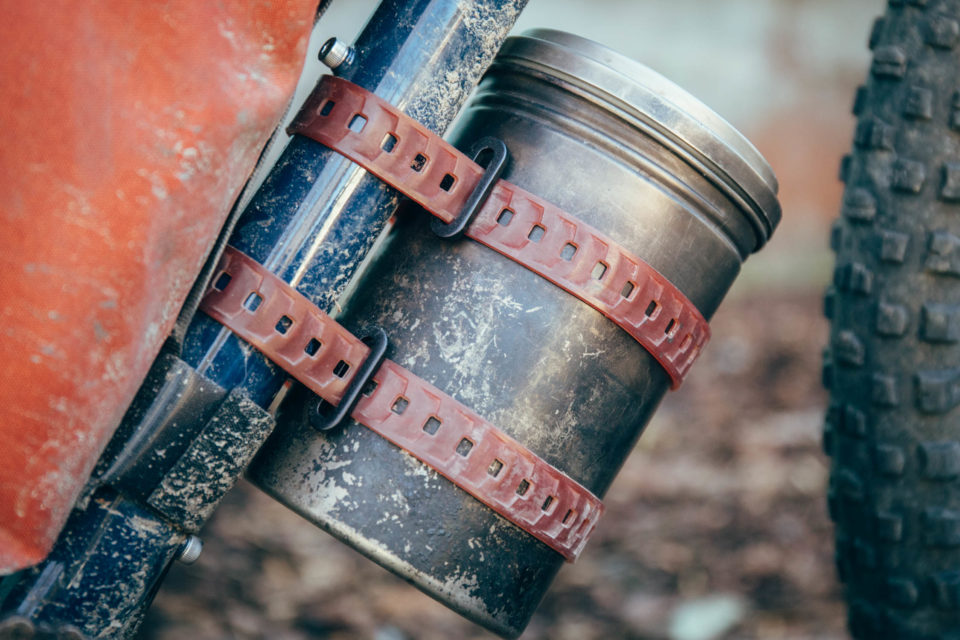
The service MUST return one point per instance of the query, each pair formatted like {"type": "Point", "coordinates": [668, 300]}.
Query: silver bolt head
{"type": "Point", "coordinates": [190, 550]}
{"type": "Point", "coordinates": [335, 52]}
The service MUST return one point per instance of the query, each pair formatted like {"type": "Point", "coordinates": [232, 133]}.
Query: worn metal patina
{"type": "Point", "coordinates": [626, 151]}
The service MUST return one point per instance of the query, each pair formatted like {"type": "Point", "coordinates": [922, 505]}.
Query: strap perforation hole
{"type": "Point", "coordinates": [569, 517]}
{"type": "Point", "coordinates": [400, 405]}
{"type": "Point", "coordinates": [432, 425]}
{"type": "Point", "coordinates": [447, 183]}
{"type": "Point", "coordinates": [495, 468]}
{"type": "Point", "coordinates": [549, 504]}
{"type": "Point", "coordinates": [652, 309]}
{"type": "Point", "coordinates": [283, 324]}
{"type": "Point", "coordinates": [523, 487]}
{"type": "Point", "coordinates": [341, 369]}
{"type": "Point", "coordinates": [222, 281]}
{"type": "Point", "coordinates": [672, 327]}
{"type": "Point", "coordinates": [253, 301]}
{"type": "Point", "coordinates": [506, 215]}
{"type": "Point", "coordinates": [569, 250]}
{"type": "Point", "coordinates": [627, 289]}
{"type": "Point", "coordinates": [536, 233]}
{"type": "Point", "coordinates": [419, 162]}
{"type": "Point", "coordinates": [327, 108]}
{"type": "Point", "coordinates": [388, 143]}
{"type": "Point", "coordinates": [599, 270]}
{"type": "Point", "coordinates": [464, 447]}
{"type": "Point", "coordinates": [312, 347]}
{"type": "Point", "coordinates": [357, 123]}
{"type": "Point", "coordinates": [686, 342]}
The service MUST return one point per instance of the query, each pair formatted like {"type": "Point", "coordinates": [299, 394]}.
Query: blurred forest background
{"type": "Point", "coordinates": [717, 526]}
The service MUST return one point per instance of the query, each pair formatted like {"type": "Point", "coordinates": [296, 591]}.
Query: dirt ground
{"type": "Point", "coordinates": [715, 528]}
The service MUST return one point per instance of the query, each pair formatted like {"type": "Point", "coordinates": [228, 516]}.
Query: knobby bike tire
{"type": "Point", "coordinates": [893, 362]}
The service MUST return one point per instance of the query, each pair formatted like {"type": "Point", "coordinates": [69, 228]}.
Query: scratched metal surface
{"type": "Point", "coordinates": [547, 369]}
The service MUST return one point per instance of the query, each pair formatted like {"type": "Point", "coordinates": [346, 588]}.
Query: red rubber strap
{"type": "Point", "coordinates": [525, 228]}
{"type": "Point", "coordinates": [409, 412]}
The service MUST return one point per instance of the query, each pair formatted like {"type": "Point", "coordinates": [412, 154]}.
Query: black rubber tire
{"type": "Point", "coordinates": [893, 363]}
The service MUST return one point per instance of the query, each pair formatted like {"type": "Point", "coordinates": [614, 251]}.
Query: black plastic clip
{"type": "Point", "coordinates": [377, 340]}
{"type": "Point", "coordinates": [493, 169]}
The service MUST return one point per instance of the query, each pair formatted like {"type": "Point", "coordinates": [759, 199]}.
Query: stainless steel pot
{"type": "Point", "coordinates": [615, 144]}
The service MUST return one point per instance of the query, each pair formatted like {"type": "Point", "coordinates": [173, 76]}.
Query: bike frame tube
{"type": "Point", "coordinates": [312, 222]}
{"type": "Point", "coordinates": [317, 215]}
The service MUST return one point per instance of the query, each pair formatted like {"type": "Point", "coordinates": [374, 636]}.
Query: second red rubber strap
{"type": "Point", "coordinates": [406, 410]}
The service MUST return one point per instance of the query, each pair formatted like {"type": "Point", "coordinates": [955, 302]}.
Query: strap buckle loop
{"type": "Point", "coordinates": [480, 193]}
{"type": "Point", "coordinates": [376, 339]}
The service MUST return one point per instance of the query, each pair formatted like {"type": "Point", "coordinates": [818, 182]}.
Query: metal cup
{"type": "Point", "coordinates": [623, 149]}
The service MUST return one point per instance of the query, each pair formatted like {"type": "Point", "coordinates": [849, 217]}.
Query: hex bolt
{"type": "Point", "coordinates": [190, 550]}
{"type": "Point", "coordinates": [336, 53]}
